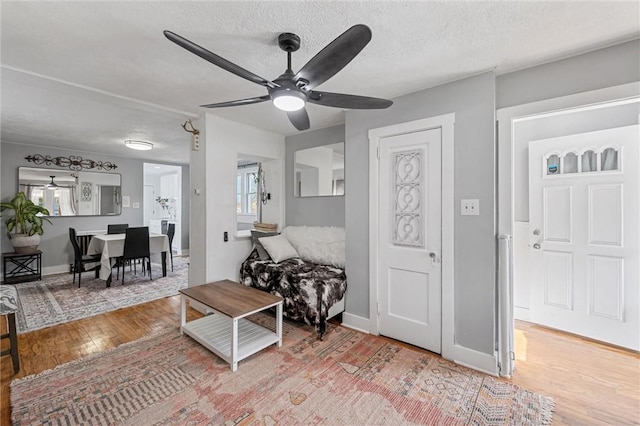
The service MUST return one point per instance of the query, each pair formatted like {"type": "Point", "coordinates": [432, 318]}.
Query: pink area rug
{"type": "Point", "coordinates": [349, 378]}
{"type": "Point", "coordinates": [56, 299]}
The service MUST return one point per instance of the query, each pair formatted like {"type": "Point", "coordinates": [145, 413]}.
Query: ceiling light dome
{"type": "Point", "coordinates": [288, 100]}
{"type": "Point", "coordinates": [138, 145]}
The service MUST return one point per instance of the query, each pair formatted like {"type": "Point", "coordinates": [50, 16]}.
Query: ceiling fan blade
{"type": "Point", "coordinates": [217, 60]}
{"type": "Point", "coordinates": [299, 118]}
{"type": "Point", "coordinates": [335, 56]}
{"type": "Point", "coordinates": [239, 102]}
{"type": "Point", "coordinates": [340, 100]}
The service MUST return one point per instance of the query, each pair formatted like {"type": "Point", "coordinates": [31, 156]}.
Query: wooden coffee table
{"type": "Point", "coordinates": [227, 333]}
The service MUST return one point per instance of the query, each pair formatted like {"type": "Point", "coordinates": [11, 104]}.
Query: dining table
{"type": "Point", "coordinates": [111, 246]}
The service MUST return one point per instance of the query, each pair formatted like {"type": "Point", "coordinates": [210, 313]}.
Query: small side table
{"type": "Point", "coordinates": [20, 268]}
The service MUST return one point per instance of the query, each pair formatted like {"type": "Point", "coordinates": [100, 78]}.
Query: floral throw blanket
{"type": "Point", "coordinates": [308, 289]}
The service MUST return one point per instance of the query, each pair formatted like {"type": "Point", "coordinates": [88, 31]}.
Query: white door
{"type": "Point", "coordinates": [149, 204]}
{"type": "Point", "coordinates": [584, 234]}
{"type": "Point", "coordinates": [409, 239]}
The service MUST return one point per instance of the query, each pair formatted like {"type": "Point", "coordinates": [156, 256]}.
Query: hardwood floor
{"type": "Point", "coordinates": [591, 383]}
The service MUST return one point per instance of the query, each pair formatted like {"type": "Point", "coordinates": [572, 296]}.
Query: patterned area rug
{"type": "Point", "coordinates": [55, 299]}
{"type": "Point", "coordinates": [348, 378]}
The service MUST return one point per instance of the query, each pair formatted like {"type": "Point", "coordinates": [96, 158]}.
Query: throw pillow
{"type": "Point", "coordinates": [255, 239]}
{"type": "Point", "coordinates": [278, 248]}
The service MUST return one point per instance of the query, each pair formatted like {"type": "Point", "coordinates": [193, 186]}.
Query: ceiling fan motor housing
{"type": "Point", "coordinates": [289, 42]}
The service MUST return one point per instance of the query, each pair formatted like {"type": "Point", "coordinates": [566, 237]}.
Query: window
{"type": "Point", "coordinates": [553, 164]}
{"type": "Point", "coordinates": [247, 190]}
{"type": "Point", "coordinates": [590, 161]}
{"type": "Point", "coordinates": [570, 163]}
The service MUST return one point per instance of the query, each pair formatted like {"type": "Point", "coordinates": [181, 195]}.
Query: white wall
{"type": "Point", "coordinates": [225, 141]}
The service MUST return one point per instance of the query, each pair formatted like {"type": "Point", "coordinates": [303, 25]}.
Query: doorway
{"type": "Point", "coordinates": [162, 205]}
{"type": "Point", "coordinates": [585, 112]}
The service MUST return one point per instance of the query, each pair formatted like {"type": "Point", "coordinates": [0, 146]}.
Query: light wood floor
{"type": "Point", "coordinates": [591, 383]}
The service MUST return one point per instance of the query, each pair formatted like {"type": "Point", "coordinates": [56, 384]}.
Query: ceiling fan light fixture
{"type": "Point", "coordinates": [288, 100]}
{"type": "Point", "coordinates": [138, 145]}
{"type": "Point", "coordinates": [52, 184]}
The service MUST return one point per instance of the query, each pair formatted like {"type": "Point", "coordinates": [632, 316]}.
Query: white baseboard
{"type": "Point", "coordinates": [521, 313]}
{"type": "Point", "coordinates": [53, 270]}
{"type": "Point", "coordinates": [355, 322]}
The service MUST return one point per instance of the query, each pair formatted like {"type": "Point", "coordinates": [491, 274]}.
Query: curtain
{"type": "Point", "coordinates": [609, 159]}
{"type": "Point", "coordinates": [589, 162]}
{"type": "Point", "coordinates": [65, 202]}
{"type": "Point", "coordinates": [74, 199]}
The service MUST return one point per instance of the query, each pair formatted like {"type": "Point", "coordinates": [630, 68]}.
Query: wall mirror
{"type": "Point", "coordinates": [319, 171]}
{"type": "Point", "coordinates": [72, 193]}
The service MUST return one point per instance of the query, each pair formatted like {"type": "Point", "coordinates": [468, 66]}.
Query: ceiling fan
{"type": "Point", "coordinates": [290, 92]}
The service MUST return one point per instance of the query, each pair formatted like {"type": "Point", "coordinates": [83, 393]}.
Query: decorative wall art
{"type": "Point", "coordinates": [72, 162]}
{"type": "Point", "coordinates": [86, 191]}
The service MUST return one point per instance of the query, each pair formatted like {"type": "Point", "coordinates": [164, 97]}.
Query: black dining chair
{"type": "Point", "coordinates": [118, 228]}
{"type": "Point", "coordinates": [136, 246]}
{"type": "Point", "coordinates": [79, 260]}
{"type": "Point", "coordinates": [171, 232]}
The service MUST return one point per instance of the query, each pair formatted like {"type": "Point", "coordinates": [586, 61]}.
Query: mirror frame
{"type": "Point", "coordinates": [75, 176]}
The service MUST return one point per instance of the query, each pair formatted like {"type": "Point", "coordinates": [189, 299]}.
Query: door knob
{"type": "Point", "coordinates": [536, 231]}
{"type": "Point", "coordinates": [434, 257]}
{"type": "Point", "coordinates": [536, 246]}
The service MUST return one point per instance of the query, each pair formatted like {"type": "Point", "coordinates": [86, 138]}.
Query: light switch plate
{"type": "Point", "coordinates": [470, 207]}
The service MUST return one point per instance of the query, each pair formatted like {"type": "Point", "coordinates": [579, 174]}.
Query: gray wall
{"type": "Point", "coordinates": [55, 243]}
{"type": "Point", "coordinates": [601, 68]}
{"type": "Point", "coordinates": [321, 211]}
{"type": "Point", "coordinates": [472, 100]}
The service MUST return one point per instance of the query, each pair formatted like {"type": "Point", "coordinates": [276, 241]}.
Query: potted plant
{"type": "Point", "coordinates": [25, 226]}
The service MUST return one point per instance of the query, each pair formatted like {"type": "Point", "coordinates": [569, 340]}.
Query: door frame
{"type": "Point", "coordinates": [508, 118]}
{"type": "Point", "coordinates": [445, 123]}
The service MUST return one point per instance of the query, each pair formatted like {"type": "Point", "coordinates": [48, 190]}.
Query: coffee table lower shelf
{"type": "Point", "coordinates": [215, 332]}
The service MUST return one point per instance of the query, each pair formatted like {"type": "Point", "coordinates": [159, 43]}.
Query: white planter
{"type": "Point", "coordinates": [25, 244]}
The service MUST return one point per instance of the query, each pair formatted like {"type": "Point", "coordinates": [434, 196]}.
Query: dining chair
{"type": "Point", "coordinates": [171, 232]}
{"type": "Point", "coordinates": [79, 260]}
{"type": "Point", "coordinates": [118, 228]}
{"type": "Point", "coordinates": [136, 246]}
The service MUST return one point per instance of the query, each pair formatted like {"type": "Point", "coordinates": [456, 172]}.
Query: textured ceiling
{"type": "Point", "coordinates": [117, 48]}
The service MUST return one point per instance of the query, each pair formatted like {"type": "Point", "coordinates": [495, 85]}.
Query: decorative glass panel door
{"type": "Point", "coordinates": [410, 276]}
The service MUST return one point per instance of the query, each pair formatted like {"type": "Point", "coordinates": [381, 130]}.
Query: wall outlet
{"type": "Point", "coordinates": [136, 205]}
{"type": "Point", "coordinates": [470, 207]}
